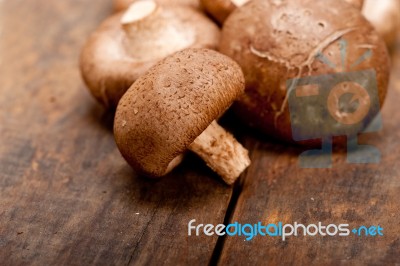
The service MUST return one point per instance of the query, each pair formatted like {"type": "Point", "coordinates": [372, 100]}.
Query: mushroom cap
{"type": "Point", "coordinates": [108, 61]}
{"type": "Point", "coordinates": [120, 5]}
{"type": "Point", "coordinates": [165, 110]}
{"type": "Point", "coordinates": [275, 41]}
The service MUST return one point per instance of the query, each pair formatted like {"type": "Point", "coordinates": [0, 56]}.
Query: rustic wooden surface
{"type": "Point", "coordinates": [68, 198]}
{"type": "Point", "coordinates": [276, 189]}
{"type": "Point", "coordinates": [66, 195]}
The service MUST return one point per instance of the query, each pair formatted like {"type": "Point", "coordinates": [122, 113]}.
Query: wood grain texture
{"type": "Point", "coordinates": [68, 198]}
{"type": "Point", "coordinates": [66, 195]}
{"type": "Point", "coordinates": [276, 189]}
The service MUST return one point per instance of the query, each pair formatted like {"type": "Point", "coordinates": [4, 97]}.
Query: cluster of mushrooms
{"type": "Point", "coordinates": [171, 69]}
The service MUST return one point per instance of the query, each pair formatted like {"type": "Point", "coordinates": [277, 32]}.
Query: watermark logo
{"type": "Point", "coordinates": [339, 104]}
{"type": "Point", "coordinates": [281, 230]}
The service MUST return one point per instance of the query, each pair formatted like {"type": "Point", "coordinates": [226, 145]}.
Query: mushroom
{"type": "Point", "coordinates": [127, 44]}
{"type": "Point", "coordinates": [120, 5]}
{"type": "Point", "coordinates": [221, 9]}
{"type": "Point", "coordinates": [278, 41]}
{"type": "Point", "coordinates": [173, 108]}
{"type": "Point", "coordinates": [384, 15]}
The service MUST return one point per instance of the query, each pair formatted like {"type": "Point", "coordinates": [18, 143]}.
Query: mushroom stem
{"type": "Point", "coordinates": [221, 152]}
{"type": "Point", "coordinates": [140, 14]}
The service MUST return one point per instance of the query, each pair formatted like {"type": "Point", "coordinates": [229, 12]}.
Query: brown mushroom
{"type": "Point", "coordinates": [384, 15]}
{"type": "Point", "coordinates": [173, 108]}
{"type": "Point", "coordinates": [120, 5]}
{"type": "Point", "coordinates": [127, 44]}
{"type": "Point", "coordinates": [221, 9]}
{"type": "Point", "coordinates": [277, 41]}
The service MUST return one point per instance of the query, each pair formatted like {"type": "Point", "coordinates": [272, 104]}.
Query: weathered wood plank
{"type": "Point", "coordinates": [66, 195]}
{"type": "Point", "coordinates": [276, 189]}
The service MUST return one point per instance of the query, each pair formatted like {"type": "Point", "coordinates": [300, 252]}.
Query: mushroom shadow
{"type": "Point", "coordinates": [102, 117]}
{"type": "Point", "coordinates": [190, 184]}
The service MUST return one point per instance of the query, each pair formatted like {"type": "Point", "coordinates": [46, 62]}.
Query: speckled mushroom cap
{"type": "Point", "coordinates": [124, 4]}
{"type": "Point", "coordinates": [168, 108]}
{"type": "Point", "coordinates": [274, 41]}
{"type": "Point", "coordinates": [112, 59]}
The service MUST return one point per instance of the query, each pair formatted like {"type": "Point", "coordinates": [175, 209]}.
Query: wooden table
{"type": "Point", "coordinates": [68, 198]}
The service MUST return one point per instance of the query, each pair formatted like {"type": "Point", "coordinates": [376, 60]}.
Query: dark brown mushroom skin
{"type": "Point", "coordinates": [274, 41]}
{"type": "Point", "coordinates": [166, 109]}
